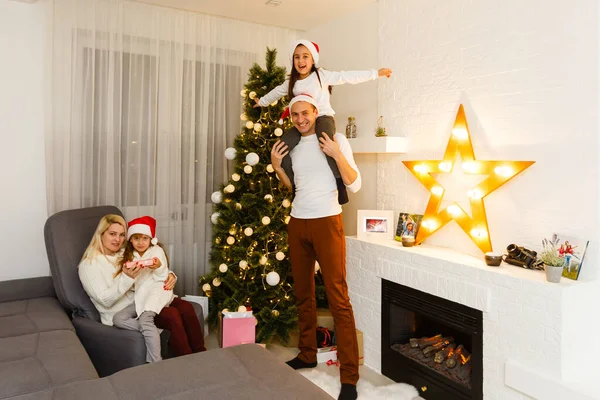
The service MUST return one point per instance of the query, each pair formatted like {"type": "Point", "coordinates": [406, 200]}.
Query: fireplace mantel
{"type": "Point", "coordinates": [532, 329]}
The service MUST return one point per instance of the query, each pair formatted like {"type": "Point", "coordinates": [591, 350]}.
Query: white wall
{"type": "Point", "coordinates": [350, 43]}
{"type": "Point", "coordinates": [527, 73]}
{"type": "Point", "coordinates": [23, 202]}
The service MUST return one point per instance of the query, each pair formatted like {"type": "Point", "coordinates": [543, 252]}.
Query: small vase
{"type": "Point", "coordinates": [553, 274]}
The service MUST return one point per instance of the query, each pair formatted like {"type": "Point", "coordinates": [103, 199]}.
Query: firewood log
{"type": "Point", "coordinates": [425, 342]}
{"type": "Point", "coordinates": [434, 348]}
{"type": "Point", "coordinates": [441, 355]}
{"type": "Point", "coordinates": [414, 342]}
{"type": "Point", "coordinates": [453, 359]}
{"type": "Point", "coordinates": [463, 372]}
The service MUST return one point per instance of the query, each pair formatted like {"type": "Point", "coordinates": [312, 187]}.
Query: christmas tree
{"type": "Point", "coordinates": [249, 256]}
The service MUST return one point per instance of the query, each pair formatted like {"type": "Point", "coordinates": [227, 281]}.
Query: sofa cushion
{"type": "Point", "coordinates": [245, 372]}
{"type": "Point", "coordinates": [39, 361]}
{"type": "Point", "coordinates": [31, 316]}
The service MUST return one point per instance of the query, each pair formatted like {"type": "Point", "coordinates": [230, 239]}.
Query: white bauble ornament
{"type": "Point", "coordinates": [248, 231]}
{"type": "Point", "coordinates": [216, 197]}
{"type": "Point", "coordinates": [252, 95]}
{"type": "Point", "coordinates": [257, 127]}
{"type": "Point", "coordinates": [230, 240]}
{"type": "Point", "coordinates": [278, 132]}
{"type": "Point", "coordinates": [280, 122]}
{"type": "Point", "coordinates": [263, 260]}
{"type": "Point", "coordinates": [244, 117]}
{"type": "Point", "coordinates": [238, 206]}
{"type": "Point", "coordinates": [274, 103]}
{"type": "Point", "coordinates": [242, 309]}
{"type": "Point", "coordinates": [286, 203]}
{"type": "Point", "coordinates": [235, 177]}
{"type": "Point", "coordinates": [223, 268]}
{"type": "Point", "coordinates": [273, 278]}
{"type": "Point", "coordinates": [270, 168]}
{"type": "Point", "coordinates": [230, 153]}
{"type": "Point", "coordinates": [252, 158]}
{"type": "Point", "coordinates": [317, 267]}
{"type": "Point", "coordinates": [216, 282]}
{"type": "Point", "coordinates": [249, 124]}
{"type": "Point", "coordinates": [287, 219]}
{"type": "Point", "coordinates": [268, 198]}
{"type": "Point", "coordinates": [280, 255]}
{"type": "Point", "coordinates": [266, 220]}
{"type": "Point", "coordinates": [206, 287]}
{"type": "Point", "coordinates": [243, 92]}
{"type": "Point", "coordinates": [248, 169]}
{"type": "Point", "coordinates": [229, 188]}
{"type": "Point", "coordinates": [214, 218]}
{"type": "Point", "coordinates": [243, 264]}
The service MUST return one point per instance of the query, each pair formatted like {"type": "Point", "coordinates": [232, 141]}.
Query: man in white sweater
{"type": "Point", "coordinates": [316, 233]}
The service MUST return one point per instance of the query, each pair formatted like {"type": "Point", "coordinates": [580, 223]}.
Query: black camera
{"type": "Point", "coordinates": [522, 257]}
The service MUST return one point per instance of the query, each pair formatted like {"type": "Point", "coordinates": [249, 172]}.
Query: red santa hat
{"type": "Point", "coordinates": [311, 46]}
{"type": "Point", "coordinates": [301, 97]}
{"type": "Point", "coordinates": [143, 225]}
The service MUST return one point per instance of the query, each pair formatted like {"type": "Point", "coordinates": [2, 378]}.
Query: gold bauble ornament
{"type": "Point", "coordinates": [275, 313]}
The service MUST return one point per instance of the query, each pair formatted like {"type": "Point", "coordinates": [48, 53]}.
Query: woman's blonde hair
{"type": "Point", "coordinates": [95, 247]}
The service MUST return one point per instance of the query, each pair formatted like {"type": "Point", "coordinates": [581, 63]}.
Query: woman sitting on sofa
{"type": "Point", "coordinates": [111, 293]}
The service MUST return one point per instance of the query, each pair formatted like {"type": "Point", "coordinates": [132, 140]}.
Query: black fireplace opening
{"type": "Point", "coordinates": [431, 343]}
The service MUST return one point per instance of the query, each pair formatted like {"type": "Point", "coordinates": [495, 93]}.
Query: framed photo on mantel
{"type": "Point", "coordinates": [375, 223]}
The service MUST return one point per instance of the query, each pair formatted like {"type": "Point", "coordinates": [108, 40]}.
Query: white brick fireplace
{"type": "Point", "coordinates": [530, 326]}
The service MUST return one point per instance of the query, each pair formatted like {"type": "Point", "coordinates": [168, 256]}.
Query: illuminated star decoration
{"type": "Point", "coordinates": [498, 173]}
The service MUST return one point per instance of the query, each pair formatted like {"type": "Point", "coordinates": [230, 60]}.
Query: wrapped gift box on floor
{"type": "Point", "coordinates": [203, 301]}
{"type": "Point", "coordinates": [325, 354]}
{"type": "Point", "coordinates": [236, 328]}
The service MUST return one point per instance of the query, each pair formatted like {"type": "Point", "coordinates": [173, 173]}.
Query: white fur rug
{"type": "Point", "coordinates": [366, 390]}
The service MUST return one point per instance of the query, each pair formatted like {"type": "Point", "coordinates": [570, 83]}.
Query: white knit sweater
{"type": "Point", "coordinates": [108, 293]}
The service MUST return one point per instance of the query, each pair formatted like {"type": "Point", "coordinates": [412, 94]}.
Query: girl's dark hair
{"type": "Point", "coordinates": [128, 255]}
{"type": "Point", "coordinates": [294, 75]}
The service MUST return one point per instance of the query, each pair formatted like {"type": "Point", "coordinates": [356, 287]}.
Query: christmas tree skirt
{"type": "Point", "coordinates": [366, 390]}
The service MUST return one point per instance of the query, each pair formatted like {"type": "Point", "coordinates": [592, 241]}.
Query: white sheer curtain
{"type": "Point", "coordinates": [144, 101]}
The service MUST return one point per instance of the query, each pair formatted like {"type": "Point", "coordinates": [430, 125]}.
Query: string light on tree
{"type": "Point", "coordinates": [286, 203]}
{"type": "Point", "coordinates": [275, 313]}
{"type": "Point", "coordinates": [243, 264]}
{"type": "Point", "coordinates": [242, 309]}
{"type": "Point", "coordinates": [270, 168]}
{"type": "Point", "coordinates": [244, 117]}
{"type": "Point", "coordinates": [286, 220]}
{"type": "Point", "coordinates": [248, 231]}
{"type": "Point", "coordinates": [206, 287]}
{"type": "Point", "coordinates": [248, 169]}
{"type": "Point", "coordinates": [229, 188]}
{"type": "Point", "coordinates": [263, 260]}
{"type": "Point", "coordinates": [235, 177]}
{"type": "Point", "coordinates": [249, 124]}
{"type": "Point", "coordinates": [252, 95]}
{"type": "Point", "coordinates": [266, 220]}
{"type": "Point", "coordinates": [223, 268]}
{"type": "Point", "coordinates": [257, 127]}
{"type": "Point", "coordinates": [280, 255]}
{"type": "Point", "coordinates": [268, 198]}
{"type": "Point", "coordinates": [216, 282]}
{"type": "Point", "coordinates": [230, 240]}
{"type": "Point", "coordinates": [238, 206]}
{"type": "Point", "coordinates": [244, 92]}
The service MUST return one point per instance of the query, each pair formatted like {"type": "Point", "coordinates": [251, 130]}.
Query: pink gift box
{"type": "Point", "coordinates": [236, 331]}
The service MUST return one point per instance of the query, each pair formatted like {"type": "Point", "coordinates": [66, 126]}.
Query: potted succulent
{"type": "Point", "coordinates": [380, 130]}
{"type": "Point", "coordinates": [553, 262]}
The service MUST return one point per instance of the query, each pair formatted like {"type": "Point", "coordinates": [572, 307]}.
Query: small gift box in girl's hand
{"type": "Point", "coordinates": [237, 328]}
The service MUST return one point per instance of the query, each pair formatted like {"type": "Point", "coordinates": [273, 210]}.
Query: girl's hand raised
{"type": "Point", "coordinates": [156, 263]}
{"type": "Point", "coordinates": [256, 100]}
{"type": "Point", "coordinates": [384, 72]}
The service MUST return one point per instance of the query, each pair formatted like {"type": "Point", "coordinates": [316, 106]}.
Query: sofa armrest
{"type": "Point", "coordinates": [25, 289]}
{"type": "Point", "coordinates": [111, 349]}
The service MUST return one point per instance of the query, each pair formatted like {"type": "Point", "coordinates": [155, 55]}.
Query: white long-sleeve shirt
{"type": "Point", "coordinates": [108, 293]}
{"type": "Point", "coordinates": [320, 92]}
{"type": "Point", "coordinates": [316, 189]}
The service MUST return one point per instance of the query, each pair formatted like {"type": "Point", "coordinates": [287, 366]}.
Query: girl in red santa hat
{"type": "Point", "coordinates": [308, 78]}
{"type": "Point", "coordinates": [154, 305]}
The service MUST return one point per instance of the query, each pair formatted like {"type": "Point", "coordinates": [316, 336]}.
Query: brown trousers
{"type": "Point", "coordinates": [323, 239]}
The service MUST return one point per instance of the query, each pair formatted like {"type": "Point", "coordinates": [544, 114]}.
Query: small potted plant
{"type": "Point", "coordinates": [380, 130]}
{"type": "Point", "coordinates": [553, 262]}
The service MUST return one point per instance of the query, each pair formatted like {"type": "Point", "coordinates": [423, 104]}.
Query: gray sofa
{"type": "Point", "coordinates": [42, 358]}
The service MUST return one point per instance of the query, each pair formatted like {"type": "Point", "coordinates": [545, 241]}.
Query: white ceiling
{"type": "Point", "coordinates": [293, 14]}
